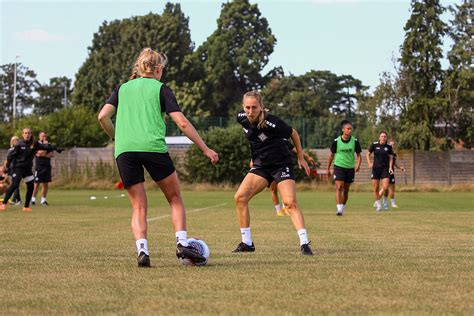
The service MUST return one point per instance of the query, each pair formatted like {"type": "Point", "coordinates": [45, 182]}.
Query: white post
{"type": "Point", "coordinates": [14, 92]}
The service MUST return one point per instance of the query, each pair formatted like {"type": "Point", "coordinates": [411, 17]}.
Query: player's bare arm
{"type": "Point", "coordinates": [105, 119]}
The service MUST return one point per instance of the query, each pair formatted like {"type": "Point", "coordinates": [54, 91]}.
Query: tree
{"type": "Point", "coordinates": [314, 103]}
{"type": "Point", "coordinates": [458, 86]}
{"type": "Point", "coordinates": [381, 110]}
{"type": "Point", "coordinates": [75, 126]}
{"type": "Point", "coordinates": [117, 44]}
{"type": "Point", "coordinates": [421, 73]}
{"type": "Point", "coordinates": [26, 85]}
{"type": "Point", "coordinates": [314, 94]}
{"type": "Point", "coordinates": [51, 96]}
{"type": "Point", "coordinates": [234, 55]}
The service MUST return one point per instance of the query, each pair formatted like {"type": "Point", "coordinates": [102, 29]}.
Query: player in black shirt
{"type": "Point", "coordinates": [16, 198]}
{"type": "Point", "coordinates": [382, 167]}
{"type": "Point", "coordinates": [42, 170]}
{"type": "Point", "coordinates": [272, 160]}
{"type": "Point", "coordinates": [391, 186]}
{"type": "Point", "coordinates": [22, 158]}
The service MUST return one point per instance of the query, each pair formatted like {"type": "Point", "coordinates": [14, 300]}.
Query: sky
{"type": "Point", "coordinates": [353, 37]}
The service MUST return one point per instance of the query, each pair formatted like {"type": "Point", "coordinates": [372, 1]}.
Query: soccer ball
{"type": "Point", "coordinates": [201, 247]}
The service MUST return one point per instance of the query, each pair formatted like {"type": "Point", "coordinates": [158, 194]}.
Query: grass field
{"type": "Point", "coordinates": [78, 256]}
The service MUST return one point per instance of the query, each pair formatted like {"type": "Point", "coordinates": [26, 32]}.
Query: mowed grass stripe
{"type": "Point", "coordinates": [78, 256]}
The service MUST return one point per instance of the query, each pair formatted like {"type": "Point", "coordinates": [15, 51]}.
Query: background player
{"type": "Point", "coordinates": [42, 170]}
{"type": "Point", "coordinates": [382, 166]}
{"type": "Point", "coordinates": [16, 198]}
{"type": "Point", "coordinates": [391, 185]}
{"type": "Point", "coordinates": [343, 149]}
{"type": "Point", "coordinates": [21, 158]}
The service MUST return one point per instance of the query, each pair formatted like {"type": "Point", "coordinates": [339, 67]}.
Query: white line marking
{"type": "Point", "coordinates": [187, 212]}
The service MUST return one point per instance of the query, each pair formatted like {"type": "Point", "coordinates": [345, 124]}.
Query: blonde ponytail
{"type": "Point", "coordinates": [148, 60]}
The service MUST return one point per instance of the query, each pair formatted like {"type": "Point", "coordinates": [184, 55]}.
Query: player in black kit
{"type": "Point", "coordinates": [22, 158]}
{"type": "Point", "coordinates": [391, 187]}
{"type": "Point", "coordinates": [272, 160]}
{"type": "Point", "coordinates": [42, 170]}
{"type": "Point", "coordinates": [382, 167]}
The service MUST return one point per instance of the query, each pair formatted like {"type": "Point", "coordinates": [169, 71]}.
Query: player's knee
{"type": "Point", "coordinates": [175, 199]}
{"type": "Point", "coordinates": [139, 208]}
{"type": "Point", "coordinates": [290, 205]}
{"type": "Point", "coordinates": [240, 198]}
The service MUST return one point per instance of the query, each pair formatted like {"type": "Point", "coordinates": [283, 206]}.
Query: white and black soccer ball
{"type": "Point", "coordinates": [201, 247]}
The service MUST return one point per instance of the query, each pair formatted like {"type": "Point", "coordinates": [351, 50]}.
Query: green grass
{"type": "Point", "coordinates": [78, 256]}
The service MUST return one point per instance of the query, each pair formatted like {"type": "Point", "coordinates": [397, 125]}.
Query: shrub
{"type": "Point", "coordinates": [234, 157]}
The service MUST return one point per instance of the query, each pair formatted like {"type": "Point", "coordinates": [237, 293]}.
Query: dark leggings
{"type": "Point", "coordinates": [15, 185]}
{"type": "Point", "coordinates": [16, 195]}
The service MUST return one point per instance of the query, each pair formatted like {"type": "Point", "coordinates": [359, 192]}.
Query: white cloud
{"type": "Point", "coordinates": [38, 35]}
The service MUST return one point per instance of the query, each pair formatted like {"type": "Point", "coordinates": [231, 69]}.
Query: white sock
{"type": "Point", "coordinates": [182, 238]}
{"type": "Point", "coordinates": [142, 246]}
{"type": "Point", "coordinates": [378, 204]}
{"type": "Point", "coordinates": [246, 236]}
{"type": "Point", "coordinates": [393, 201]}
{"type": "Point", "coordinates": [303, 236]}
{"type": "Point", "coordinates": [43, 199]}
{"type": "Point", "coordinates": [278, 207]}
{"type": "Point", "coordinates": [384, 200]}
{"type": "Point", "coordinates": [33, 199]}
{"type": "Point", "coordinates": [340, 208]}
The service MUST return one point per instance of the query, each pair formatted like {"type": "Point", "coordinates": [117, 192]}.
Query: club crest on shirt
{"type": "Point", "coordinates": [385, 149]}
{"type": "Point", "coordinates": [263, 137]}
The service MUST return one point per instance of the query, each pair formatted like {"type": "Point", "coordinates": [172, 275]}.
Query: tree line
{"type": "Point", "coordinates": [421, 104]}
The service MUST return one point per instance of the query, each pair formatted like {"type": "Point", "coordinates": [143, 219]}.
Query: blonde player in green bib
{"type": "Point", "coordinates": [139, 135]}
{"type": "Point", "coordinates": [346, 165]}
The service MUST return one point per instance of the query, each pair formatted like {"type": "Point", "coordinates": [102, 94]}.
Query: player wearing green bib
{"type": "Point", "coordinates": [139, 136]}
{"type": "Point", "coordinates": [345, 164]}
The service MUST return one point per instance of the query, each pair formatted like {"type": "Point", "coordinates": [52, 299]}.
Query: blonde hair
{"type": "Point", "coordinates": [263, 114]}
{"type": "Point", "coordinates": [147, 62]}
{"type": "Point", "coordinates": [13, 141]}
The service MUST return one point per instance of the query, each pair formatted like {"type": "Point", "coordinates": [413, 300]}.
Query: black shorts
{"type": "Point", "coordinates": [274, 173]}
{"type": "Point", "coordinates": [25, 174]}
{"type": "Point", "coordinates": [344, 174]}
{"type": "Point", "coordinates": [130, 166]}
{"type": "Point", "coordinates": [379, 173]}
{"type": "Point", "coordinates": [43, 174]}
{"type": "Point", "coordinates": [392, 178]}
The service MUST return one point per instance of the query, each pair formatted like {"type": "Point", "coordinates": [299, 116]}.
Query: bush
{"type": "Point", "coordinates": [234, 157]}
{"type": "Point", "coordinates": [75, 126]}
